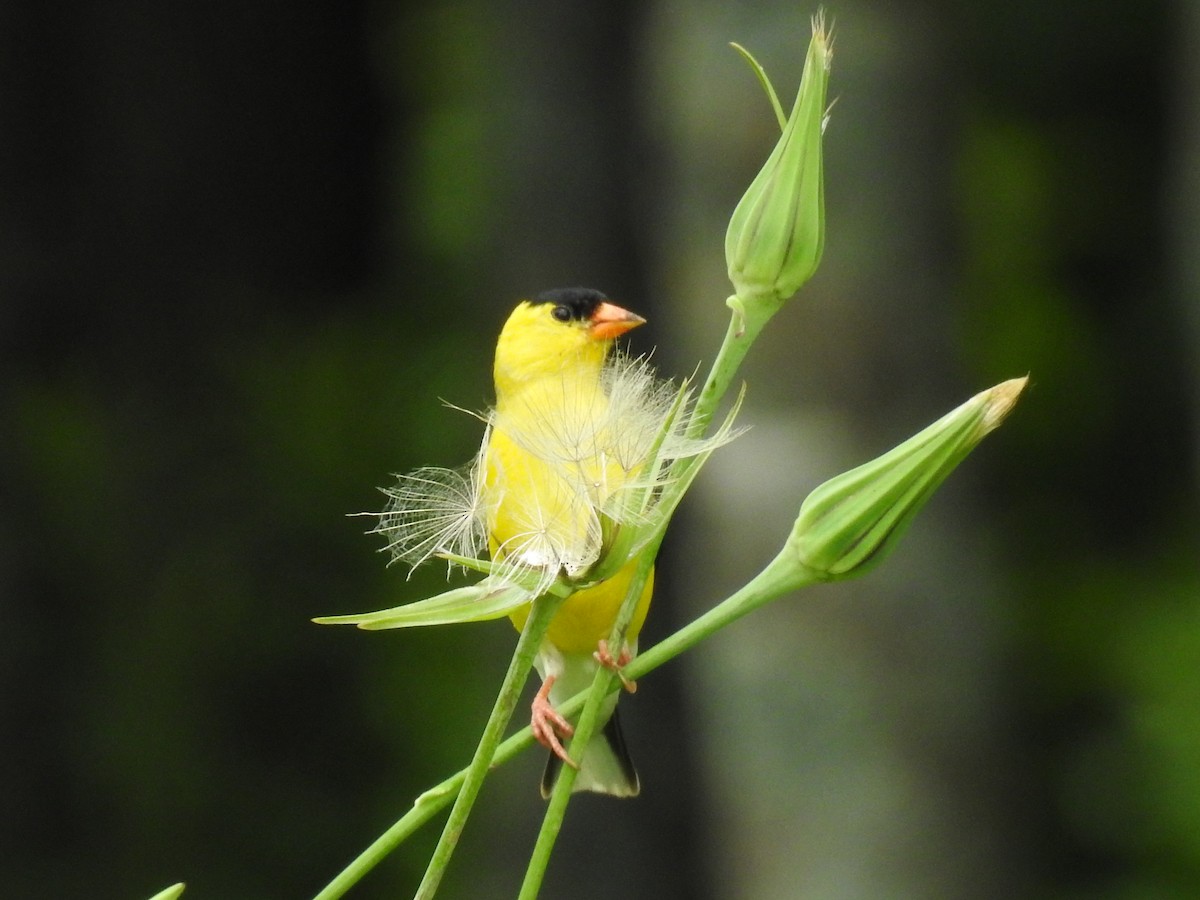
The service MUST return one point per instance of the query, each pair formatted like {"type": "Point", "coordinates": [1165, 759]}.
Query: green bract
{"type": "Point", "coordinates": [490, 598]}
{"type": "Point", "coordinates": [777, 232]}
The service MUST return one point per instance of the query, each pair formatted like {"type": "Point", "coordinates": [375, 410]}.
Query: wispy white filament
{"type": "Point", "coordinates": [605, 453]}
{"type": "Point", "coordinates": [434, 511]}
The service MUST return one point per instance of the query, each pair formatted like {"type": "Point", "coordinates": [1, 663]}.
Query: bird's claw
{"type": "Point", "coordinates": [605, 658]}
{"type": "Point", "coordinates": [548, 725]}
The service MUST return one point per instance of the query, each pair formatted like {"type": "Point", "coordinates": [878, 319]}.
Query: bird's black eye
{"type": "Point", "coordinates": [562, 313]}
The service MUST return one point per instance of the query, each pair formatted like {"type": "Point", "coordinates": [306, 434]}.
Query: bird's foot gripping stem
{"type": "Point", "coordinates": [605, 658]}
{"type": "Point", "coordinates": [548, 725]}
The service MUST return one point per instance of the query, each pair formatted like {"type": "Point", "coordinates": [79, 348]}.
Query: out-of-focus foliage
{"type": "Point", "coordinates": [244, 250]}
{"type": "Point", "coordinates": [1064, 177]}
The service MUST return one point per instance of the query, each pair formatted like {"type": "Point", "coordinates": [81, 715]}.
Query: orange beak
{"type": "Point", "coordinates": [610, 321]}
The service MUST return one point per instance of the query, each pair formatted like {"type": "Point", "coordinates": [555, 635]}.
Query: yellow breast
{"type": "Point", "coordinates": [546, 480]}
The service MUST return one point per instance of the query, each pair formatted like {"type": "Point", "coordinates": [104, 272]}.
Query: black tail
{"type": "Point", "coordinates": [605, 769]}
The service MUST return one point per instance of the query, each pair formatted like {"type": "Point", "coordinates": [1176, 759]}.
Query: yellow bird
{"type": "Point", "coordinates": [549, 468]}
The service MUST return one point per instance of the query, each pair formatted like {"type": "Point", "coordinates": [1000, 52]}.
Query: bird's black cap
{"type": "Point", "coordinates": [581, 302]}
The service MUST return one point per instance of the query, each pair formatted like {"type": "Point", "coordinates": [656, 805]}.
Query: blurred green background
{"type": "Point", "coordinates": [246, 248]}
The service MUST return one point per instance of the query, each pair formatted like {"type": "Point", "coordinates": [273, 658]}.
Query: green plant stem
{"type": "Point", "coordinates": [425, 807]}
{"type": "Point", "coordinates": [739, 336]}
{"type": "Point", "coordinates": [780, 577]}
{"type": "Point", "coordinates": [540, 614]}
{"type": "Point", "coordinates": [556, 808]}
{"type": "Point", "coordinates": [602, 684]}
{"type": "Point", "coordinates": [465, 784]}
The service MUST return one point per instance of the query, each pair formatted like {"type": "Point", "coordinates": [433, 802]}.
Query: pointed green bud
{"type": "Point", "coordinates": [777, 231]}
{"type": "Point", "coordinates": [853, 521]}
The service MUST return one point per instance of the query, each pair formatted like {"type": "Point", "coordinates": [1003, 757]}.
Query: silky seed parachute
{"type": "Point", "coordinates": [630, 434]}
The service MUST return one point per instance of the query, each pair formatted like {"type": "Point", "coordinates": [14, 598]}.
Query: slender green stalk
{"type": "Point", "coordinates": [424, 808]}
{"type": "Point", "coordinates": [770, 584]}
{"type": "Point", "coordinates": [556, 808]}
{"type": "Point", "coordinates": [739, 336]}
{"type": "Point", "coordinates": [602, 684]}
{"type": "Point", "coordinates": [542, 612]}
{"type": "Point", "coordinates": [464, 785]}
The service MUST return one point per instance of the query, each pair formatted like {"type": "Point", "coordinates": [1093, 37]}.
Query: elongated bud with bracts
{"type": "Point", "coordinates": [854, 520]}
{"type": "Point", "coordinates": [777, 232]}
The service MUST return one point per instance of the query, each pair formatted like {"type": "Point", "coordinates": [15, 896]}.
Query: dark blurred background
{"type": "Point", "coordinates": [245, 248]}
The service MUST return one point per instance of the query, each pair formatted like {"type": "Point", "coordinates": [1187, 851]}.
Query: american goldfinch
{"type": "Point", "coordinates": [578, 471]}
{"type": "Point", "coordinates": [551, 463]}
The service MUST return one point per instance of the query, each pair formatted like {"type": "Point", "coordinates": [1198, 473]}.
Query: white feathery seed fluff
{"type": "Point", "coordinates": [638, 424]}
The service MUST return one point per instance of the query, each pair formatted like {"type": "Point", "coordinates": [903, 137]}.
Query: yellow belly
{"type": "Point", "coordinates": [587, 617]}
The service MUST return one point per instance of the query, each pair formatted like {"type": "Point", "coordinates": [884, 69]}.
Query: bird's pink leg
{"type": "Point", "coordinates": [548, 725]}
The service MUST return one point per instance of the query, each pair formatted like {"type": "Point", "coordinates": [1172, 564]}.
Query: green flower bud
{"type": "Point", "coordinates": [853, 521]}
{"type": "Point", "coordinates": [777, 231]}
